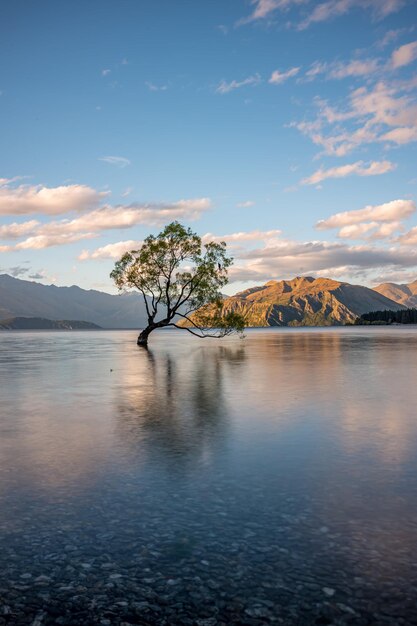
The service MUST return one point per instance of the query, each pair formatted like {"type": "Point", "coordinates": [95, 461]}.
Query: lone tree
{"type": "Point", "coordinates": [180, 280]}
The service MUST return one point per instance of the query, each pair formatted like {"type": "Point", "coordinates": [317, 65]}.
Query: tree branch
{"type": "Point", "coordinates": [146, 301]}
{"type": "Point", "coordinates": [203, 335]}
{"type": "Point", "coordinates": [189, 319]}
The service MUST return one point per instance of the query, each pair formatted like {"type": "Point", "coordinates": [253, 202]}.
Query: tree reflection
{"type": "Point", "coordinates": [175, 407]}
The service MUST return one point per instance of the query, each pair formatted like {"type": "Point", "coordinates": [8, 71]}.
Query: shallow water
{"type": "Point", "coordinates": [269, 480]}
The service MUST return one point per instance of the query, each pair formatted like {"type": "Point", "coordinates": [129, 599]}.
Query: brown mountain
{"type": "Point", "coordinates": [403, 294]}
{"type": "Point", "coordinates": [306, 301]}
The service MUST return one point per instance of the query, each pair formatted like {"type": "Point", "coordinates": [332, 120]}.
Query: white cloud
{"type": "Point", "coordinates": [153, 87]}
{"type": "Point", "coordinates": [357, 67]}
{"type": "Point", "coordinates": [254, 235]}
{"type": "Point", "coordinates": [15, 230]}
{"type": "Point", "coordinates": [322, 11]}
{"type": "Point", "coordinates": [225, 87]}
{"type": "Point", "coordinates": [387, 212]}
{"type": "Point", "coordinates": [105, 72]}
{"type": "Point", "coordinates": [375, 168]}
{"type": "Point", "coordinates": [245, 205]}
{"type": "Point", "coordinates": [115, 160]}
{"type": "Point", "coordinates": [9, 181]}
{"type": "Point", "coordinates": [111, 250]}
{"type": "Point", "coordinates": [357, 231]}
{"type": "Point", "coordinates": [390, 36]}
{"type": "Point", "coordinates": [386, 230]}
{"type": "Point", "coordinates": [331, 9]}
{"type": "Point", "coordinates": [394, 276]}
{"type": "Point", "coordinates": [264, 8]}
{"type": "Point", "coordinates": [48, 200]}
{"type": "Point", "coordinates": [370, 230]}
{"type": "Point", "coordinates": [384, 105]}
{"type": "Point", "coordinates": [288, 258]}
{"type": "Point", "coordinates": [338, 69]}
{"type": "Point", "coordinates": [109, 218]}
{"type": "Point", "coordinates": [278, 77]}
{"type": "Point", "coordinates": [401, 136]}
{"type": "Point", "coordinates": [318, 67]}
{"type": "Point", "coordinates": [409, 238]}
{"type": "Point", "coordinates": [116, 250]}
{"type": "Point", "coordinates": [381, 113]}
{"type": "Point", "coordinates": [39, 242]}
{"type": "Point", "coordinates": [404, 55]}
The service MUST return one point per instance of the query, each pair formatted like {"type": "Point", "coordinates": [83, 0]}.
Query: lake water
{"type": "Point", "coordinates": [209, 482]}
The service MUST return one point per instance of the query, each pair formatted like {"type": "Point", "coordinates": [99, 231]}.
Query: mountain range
{"type": "Point", "coordinates": [403, 294]}
{"type": "Point", "coordinates": [306, 301]}
{"type": "Point", "coordinates": [23, 298]}
{"type": "Point", "coordinates": [302, 301]}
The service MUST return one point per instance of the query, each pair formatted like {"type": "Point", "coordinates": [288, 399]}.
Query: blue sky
{"type": "Point", "coordinates": [286, 127]}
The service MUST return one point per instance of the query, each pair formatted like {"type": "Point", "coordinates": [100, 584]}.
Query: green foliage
{"type": "Point", "coordinates": [177, 276]}
{"type": "Point", "coordinates": [404, 316]}
{"type": "Point", "coordinates": [212, 316]}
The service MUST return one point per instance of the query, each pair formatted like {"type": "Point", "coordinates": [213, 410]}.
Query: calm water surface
{"type": "Point", "coordinates": [269, 480]}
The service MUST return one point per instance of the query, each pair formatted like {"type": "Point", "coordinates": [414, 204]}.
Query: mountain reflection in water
{"type": "Point", "coordinates": [216, 482]}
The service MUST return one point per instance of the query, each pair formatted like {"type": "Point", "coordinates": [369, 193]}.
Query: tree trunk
{"type": "Point", "coordinates": [143, 337]}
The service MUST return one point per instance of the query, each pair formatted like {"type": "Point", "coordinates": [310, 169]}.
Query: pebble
{"type": "Point", "coordinates": [328, 591]}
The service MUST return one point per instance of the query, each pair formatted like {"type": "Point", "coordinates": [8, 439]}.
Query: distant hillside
{"type": "Point", "coordinates": [22, 298]}
{"type": "Point", "coordinates": [403, 294]}
{"type": "Point", "coordinates": [40, 323]}
{"type": "Point", "coordinates": [298, 302]}
{"type": "Point", "coordinates": [306, 302]}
